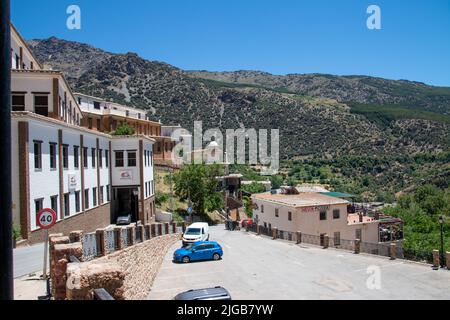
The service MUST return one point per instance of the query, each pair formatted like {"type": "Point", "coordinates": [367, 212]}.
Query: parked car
{"type": "Point", "coordinates": [198, 231]}
{"type": "Point", "coordinates": [203, 250]}
{"type": "Point", "coordinates": [246, 222]}
{"type": "Point", "coordinates": [123, 220]}
{"type": "Point", "coordinates": [217, 293]}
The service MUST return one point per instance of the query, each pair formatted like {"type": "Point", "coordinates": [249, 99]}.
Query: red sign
{"type": "Point", "coordinates": [46, 218]}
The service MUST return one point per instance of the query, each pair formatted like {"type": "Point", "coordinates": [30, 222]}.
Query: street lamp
{"type": "Point", "coordinates": [441, 222]}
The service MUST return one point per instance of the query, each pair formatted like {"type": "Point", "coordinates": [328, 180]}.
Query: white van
{"type": "Point", "coordinates": [198, 231]}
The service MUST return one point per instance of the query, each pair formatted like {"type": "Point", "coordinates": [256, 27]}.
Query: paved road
{"type": "Point", "coordinates": [259, 268]}
{"type": "Point", "coordinates": [28, 260]}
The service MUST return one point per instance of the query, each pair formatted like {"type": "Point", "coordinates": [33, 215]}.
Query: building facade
{"type": "Point", "coordinates": [64, 161]}
{"type": "Point", "coordinates": [317, 215]}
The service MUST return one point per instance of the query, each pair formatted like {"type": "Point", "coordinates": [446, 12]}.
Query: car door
{"type": "Point", "coordinates": [197, 253]}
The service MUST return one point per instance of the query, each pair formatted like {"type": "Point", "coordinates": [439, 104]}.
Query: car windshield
{"type": "Point", "coordinates": [193, 231]}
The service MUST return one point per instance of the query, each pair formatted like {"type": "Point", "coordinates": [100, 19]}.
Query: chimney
{"type": "Point", "coordinates": [361, 218]}
{"type": "Point", "coordinates": [377, 215]}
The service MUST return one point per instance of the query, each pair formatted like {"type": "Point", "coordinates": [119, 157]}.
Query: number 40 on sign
{"type": "Point", "coordinates": [46, 218]}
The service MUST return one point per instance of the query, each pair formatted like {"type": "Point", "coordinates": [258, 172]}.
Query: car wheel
{"type": "Point", "coordinates": [186, 259]}
{"type": "Point", "coordinates": [216, 256]}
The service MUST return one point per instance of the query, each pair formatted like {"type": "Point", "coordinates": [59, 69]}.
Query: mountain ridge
{"type": "Point", "coordinates": [318, 115]}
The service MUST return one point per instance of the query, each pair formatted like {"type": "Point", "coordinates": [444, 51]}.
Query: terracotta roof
{"type": "Point", "coordinates": [300, 200]}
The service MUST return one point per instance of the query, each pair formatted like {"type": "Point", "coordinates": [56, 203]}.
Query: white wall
{"type": "Point", "coordinates": [45, 183]}
{"type": "Point", "coordinates": [36, 83]}
{"type": "Point", "coordinates": [125, 144]}
{"type": "Point", "coordinates": [16, 44]}
{"type": "Point", "coordinates": [148, 169]}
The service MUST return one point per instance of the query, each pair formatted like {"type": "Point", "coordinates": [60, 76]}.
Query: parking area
{"type": "Point", "coordinates": [258, 268]}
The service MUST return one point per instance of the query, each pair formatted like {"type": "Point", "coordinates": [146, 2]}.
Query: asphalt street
{"type": "Point", "coordinates": [258, 268]}
{"type": "Point", "coordinates": [28, 260]}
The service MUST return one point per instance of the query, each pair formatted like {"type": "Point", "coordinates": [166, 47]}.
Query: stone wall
{"type": "Point", "coordinates": [127, 274]}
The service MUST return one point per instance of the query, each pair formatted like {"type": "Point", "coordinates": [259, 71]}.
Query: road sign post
{"type": "Point", "coordinates": [46, 220]}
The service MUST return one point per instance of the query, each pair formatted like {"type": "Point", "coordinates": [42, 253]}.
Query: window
{"type": "Point", "coordinates": [18, 102]}
{"type": "Point", "coordinates": [323, 215]}
{"type": "Point", "coordinates": [108, 195]}
{"type": "Point", "coordinates": [38, 206]}
{"type": "Point", "coordinates": [100, 200]}
{"type": "Point", "coordinates": [262, 208]}
{"type": "Point", "coordinates": [337, 238]}
{"type": "Point", "coordinates": [37, 155]}
{"type": "Point", "coordinates": [96, 105]}
{"type": "Point", "coordinates": [41, 105]}
{"type": "Point", "coordinates": [151, 158]}
{"type": "Point", "coordinates": [100, 158]}
{"type": "Point", "coordinates": [54, 204]}
{"type": "Point", "coordinates": [107, 158]}
{"type": "Point", "coordinates": [76, 157]}
{"type": "Point", "coordinates": [277, 213]}
{"type": "Point", "coordinates": [53, 156]}
{"type": "Point", "coordinates": [17, 62]}
{"type": "Point", "coordinates": [77, 201]}
{"type": "Point", "coordinates": [119, 159]}
{"type": "Point", "coordinates": [86, 199]}
{"type": "Point", "coordinates": [90, 123]}
{"type": "Point", "coordinates": [85, 157]}
{"type": "Point", "coordinates": [132, 158]}
{"type": "Point", "coordinates": [98, 124]}
{"type": "Point", "coordinates": [94, 197]}
{"type": "Point", "coordinates": [66, 205]}
{"type": "Point", "coordinates": [93, 151]}
{"type": "Point", "coordinates": [65, 150]}
{"type": "Point", "coordinates": [336, 214]}
{"type": "Point", "coordinates": [290, 216]}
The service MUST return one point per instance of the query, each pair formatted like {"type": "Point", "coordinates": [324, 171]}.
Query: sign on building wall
{"type": "Point", "coordinates": [73, 182]}
{"type": "Point", "coordinates": [126, 175]}
{"type": "Point", "coordinates": [315, 208]}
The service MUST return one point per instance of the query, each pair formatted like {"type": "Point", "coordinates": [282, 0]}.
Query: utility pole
{"type": "Point", "coordinates": [6, 229]}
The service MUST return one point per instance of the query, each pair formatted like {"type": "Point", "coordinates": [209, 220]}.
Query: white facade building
{"type": "Point", "coordinates": [86, 176]}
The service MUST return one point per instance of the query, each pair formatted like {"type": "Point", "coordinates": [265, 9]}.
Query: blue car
{"type": "Point", "coordinates": [202, 250]}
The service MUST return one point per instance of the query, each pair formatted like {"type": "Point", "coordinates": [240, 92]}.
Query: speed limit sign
{"type": "Point", "coordinates": [46, 218]}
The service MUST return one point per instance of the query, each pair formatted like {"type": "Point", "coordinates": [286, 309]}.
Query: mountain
{"type": "Point", "coordinates": [318, 115]}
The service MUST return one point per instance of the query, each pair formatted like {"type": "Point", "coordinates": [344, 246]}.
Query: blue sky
{"type": "Point", "coordinates": [280, 37]}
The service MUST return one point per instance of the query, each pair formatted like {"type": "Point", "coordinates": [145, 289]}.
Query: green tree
{"type": "Point", "coordinates": [253, 188]}
{"type": "Point", "coordinates": [277, 181]}
{"type": "Point", "coordinates": [124, 130]}
{"type": "Point", "coordinates": [198, 183]}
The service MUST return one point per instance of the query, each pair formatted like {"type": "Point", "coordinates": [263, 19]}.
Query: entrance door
{"type": "Point", "coordinates": [322, 239]}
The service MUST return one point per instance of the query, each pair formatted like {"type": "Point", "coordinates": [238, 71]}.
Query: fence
{"type": "Point", "coordinates": [381, 249]}
{"type": "Point", "coordinates": [106, 241]}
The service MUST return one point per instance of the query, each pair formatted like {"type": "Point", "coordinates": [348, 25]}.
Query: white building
{"type": "Point", "coordinates": [86, 176]}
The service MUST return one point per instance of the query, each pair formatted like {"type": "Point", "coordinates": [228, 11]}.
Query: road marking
{"type": "Point", "coordinates": [228, 246]}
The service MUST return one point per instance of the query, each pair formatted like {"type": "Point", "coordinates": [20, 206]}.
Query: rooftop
{"type": "Point", "coordinates": [307, 199]}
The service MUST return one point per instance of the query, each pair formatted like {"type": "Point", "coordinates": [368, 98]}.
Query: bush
{"type": "Point", "coordinates": [124, 130]}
